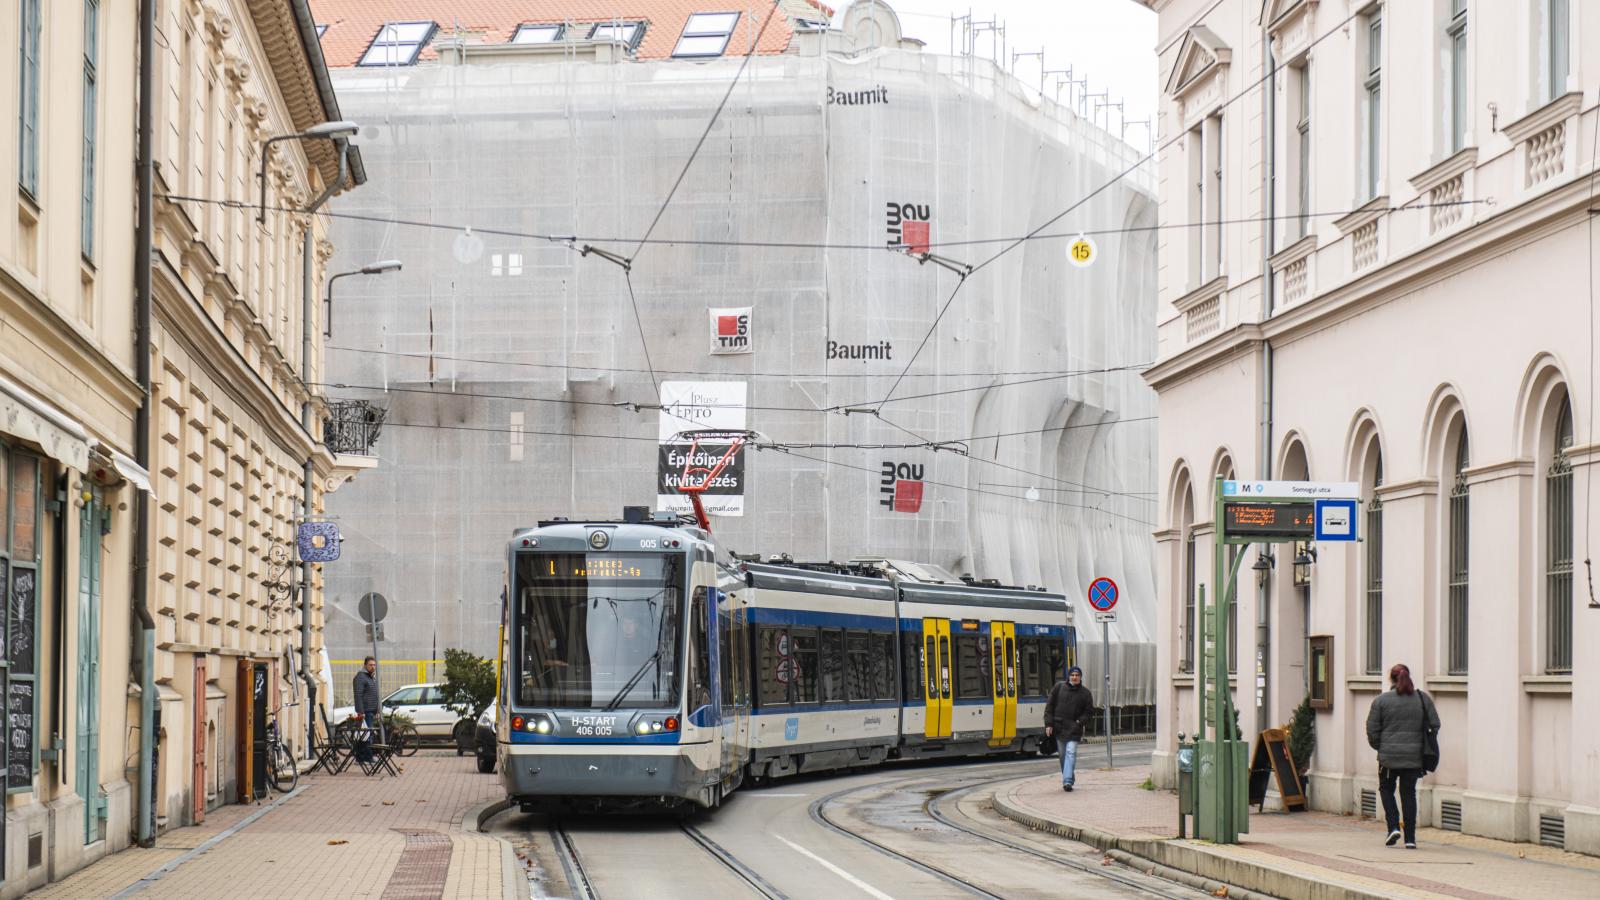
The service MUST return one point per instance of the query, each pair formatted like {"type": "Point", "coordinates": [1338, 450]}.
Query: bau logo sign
{"type": "Point", "coordinates": [730, 331]}
{"type": "Point", "coordinates": [901, 487]}
{"type": "Point", "coordinates": [910, 225]}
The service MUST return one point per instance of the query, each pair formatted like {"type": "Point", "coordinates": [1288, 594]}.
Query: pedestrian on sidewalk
{"type": "Point", "coordinates": [367, 704]}
{"type": "Point", "coordinates": [1398, 727]}
{"type": "Point", "coordinates": [1066, 712]}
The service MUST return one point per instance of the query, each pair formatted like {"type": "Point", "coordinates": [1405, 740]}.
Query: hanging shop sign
{"type": "Point", "coordinates": [730, 331]}
{"type": "Point", "coordinates": [318, 541]}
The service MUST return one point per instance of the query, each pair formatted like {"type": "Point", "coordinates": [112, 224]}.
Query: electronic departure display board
{"type": "Point", "coordinates": [1285, 520]}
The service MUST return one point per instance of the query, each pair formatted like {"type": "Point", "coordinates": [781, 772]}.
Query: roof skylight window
{"type": "Point", "coordinates": [397, 44]}
{"type": "Point", "coordinates": [537, 34]}
{"type": "Point", "coordinates": [626, 32]}
{"type": "Point", "coordinates": [706, 34]}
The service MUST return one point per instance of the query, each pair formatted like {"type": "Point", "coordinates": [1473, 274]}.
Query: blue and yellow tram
{"type": "Point", "coordinates": [644, 671]}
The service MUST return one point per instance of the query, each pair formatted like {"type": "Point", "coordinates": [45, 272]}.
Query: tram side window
{"type": "Point", "coordinates": [1056, 666]}
{"type": "Point", "coordinates": [777, 667]}
{"type": "Point", "coordinates": [911, 665]}
{"type": "Point", "coordinates": [832, 665]}
{"type": "Point", "coordinates": [969, 667]}
{"type": "Point", "coordinates": [882, 666]}
{"type": "Point", "coordinates": [725, 660]}
{"type": "Point", "coordinates": [700, 661]}
{"type": "Point", "coordinates": [803, 644]}
{"type": "Point", "coordinates": [857, 665]}
{"type": "Point", "coordinates": [1032, 670]}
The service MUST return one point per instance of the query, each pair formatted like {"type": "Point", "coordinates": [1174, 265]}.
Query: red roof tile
{"type": "Point", "coordinates": [352, 24]}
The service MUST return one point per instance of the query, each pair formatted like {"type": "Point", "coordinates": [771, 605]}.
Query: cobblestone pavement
{"type": "Point", "coordinates": [1315, 847]}
{"type": "Point", "coordinates": [344, 836]}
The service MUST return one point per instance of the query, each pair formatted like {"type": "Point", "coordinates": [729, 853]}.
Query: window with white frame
{"type": "Point", "coordinates": [1302, 136]}
{"type": "Point", "coordinates": [537, 34]}
{"type": "Point", "coordinates": [28, 105]}
{"type": "Point", "coordinates": [1372, 583]}
{"type": "Point", "coordinates": [626, 32]}
{"type": "Point", "coordinates": [1460, 527]}
{"type": "Point", "coordinates": [1455, 36]}
{"type": "Point", "coordinates": [706, 34]}
{"type": "Point", "coordinates": [1558, 531]}
{"type": "Point", "coordinates": [1194, 158]}
{"type": "Point", "coordinates": [397, 44]}
{"type": "Point", "coordinates": [91, 105]}
{"type": "Point", "coordinates": [1372, 83]}
{"type": "Point", "coordinates": [1557, 19]}
{"type": "Point", "coordinates": [504, 264]}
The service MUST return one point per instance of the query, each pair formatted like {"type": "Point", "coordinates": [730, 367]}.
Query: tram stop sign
{"type": "Point", "coordinates": [1103, 594]}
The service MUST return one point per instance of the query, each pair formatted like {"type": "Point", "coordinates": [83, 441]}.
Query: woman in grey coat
{"type": "Point", "coordinates": [1397, 726]}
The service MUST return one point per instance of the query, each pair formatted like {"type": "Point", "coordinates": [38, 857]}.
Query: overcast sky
{"type": "Point", "coordinates": [1112, 41]}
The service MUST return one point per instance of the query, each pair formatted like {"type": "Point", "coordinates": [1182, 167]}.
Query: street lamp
{"type": "Point", "coordinates": [325, 130]}
{"type": "Point", "coordinates": [378, 268]}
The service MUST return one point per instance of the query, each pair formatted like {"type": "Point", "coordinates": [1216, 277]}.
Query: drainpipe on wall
{"type": "Point", "coordinates": [144, 247]}
{"type": "Point", "coordinates": [308, 301]}
{"type": "Point", "coordinates": [1264, 440]}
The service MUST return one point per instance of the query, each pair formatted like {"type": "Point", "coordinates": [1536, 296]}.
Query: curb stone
{"type": "Point", "coordinates": [1185, 863]}
{"type": "Point", "coordinates": [512, 885]}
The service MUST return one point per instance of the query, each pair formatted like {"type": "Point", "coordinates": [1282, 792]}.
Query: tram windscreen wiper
{"type": "Point", "coordinates": [617, 700]}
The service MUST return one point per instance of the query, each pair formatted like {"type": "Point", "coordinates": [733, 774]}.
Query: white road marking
{"type": "Point", "coordinates": [764, 794]}
{"type": "Point", "coordinates": [867, 888]}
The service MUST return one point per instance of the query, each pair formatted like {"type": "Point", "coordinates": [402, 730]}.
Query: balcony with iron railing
{"type": "Point", "coordinates": [353, 426]}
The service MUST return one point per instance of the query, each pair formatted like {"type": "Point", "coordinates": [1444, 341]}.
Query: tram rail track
{"type": "Point", "coordinates": [572, 864]}
{"type": "Point", "coordinates": [582, 884]}
{"type": "Point", "coordinates": [932, 808]}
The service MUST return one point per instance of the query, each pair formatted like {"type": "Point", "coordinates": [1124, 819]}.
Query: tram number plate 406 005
{"type": "Point", "coordinates": [593, 726]}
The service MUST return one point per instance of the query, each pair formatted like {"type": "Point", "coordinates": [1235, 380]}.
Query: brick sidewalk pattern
{"type": "Point", "coordinates": [341, 836]}
{"type": "Point", "coordinates": [1320, 848]}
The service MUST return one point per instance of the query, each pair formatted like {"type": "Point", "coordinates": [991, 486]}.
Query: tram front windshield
{"type": "Point", "coordinates": [598, 630]}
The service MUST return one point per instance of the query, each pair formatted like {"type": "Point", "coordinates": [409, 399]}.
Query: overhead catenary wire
{"type": "Point", "coordinates": [569, 239]}
{"type": "Point", "coordinates": [795, 376]}
{"type": "Point", "coordinates": [775, 448]}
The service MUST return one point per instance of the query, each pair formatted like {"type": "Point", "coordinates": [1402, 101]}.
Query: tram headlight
{"type": "Point", "coordinates": [655, 726]}
{"type": "Point", "coordinates": [642, 728]}
{"type": "Point", "coordinates": [541, 725]}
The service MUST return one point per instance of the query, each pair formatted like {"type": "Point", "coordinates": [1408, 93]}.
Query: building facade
{"type": "Point", "coordinates": [785, 284]}
{"type": "Point", "coordinates": [68, 399]}
{"type": "Point", "coordinates": [1378, 268]}
{"type": "Point", "coordinates": [230, 432]}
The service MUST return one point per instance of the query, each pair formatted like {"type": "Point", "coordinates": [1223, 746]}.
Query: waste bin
{"type": "Point", "coordinates": [1186, 784]}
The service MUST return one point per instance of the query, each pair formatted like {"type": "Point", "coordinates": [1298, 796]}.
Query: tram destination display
{"type": "Point", "coordinates": [1257, 519]}
{"type": "Point", "coordinates": [617, 567]}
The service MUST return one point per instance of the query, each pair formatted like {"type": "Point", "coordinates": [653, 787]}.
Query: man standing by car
{"type": "Point", "coordinates": [367, 702]}
{"type": "Point", "coordinates": [1069, 707]}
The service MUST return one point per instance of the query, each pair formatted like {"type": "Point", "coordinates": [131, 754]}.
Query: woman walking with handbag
{"type": "Point", "coordinates": [1402, 726]}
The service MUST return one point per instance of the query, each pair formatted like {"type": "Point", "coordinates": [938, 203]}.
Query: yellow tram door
{"type": "Point", "coordinates": [1003, 662]}
{"type": "Point", "coordinates": [936, 666]}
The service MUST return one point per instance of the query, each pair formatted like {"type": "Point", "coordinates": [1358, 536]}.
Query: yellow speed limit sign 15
{"type": "Point", "coordinates": [1082, 252]}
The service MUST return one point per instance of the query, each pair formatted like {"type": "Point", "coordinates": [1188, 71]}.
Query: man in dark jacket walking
{"type": "Point", "coordinates": [1065, 713]}
{"type": "Point", "coordinates": [367, 702]}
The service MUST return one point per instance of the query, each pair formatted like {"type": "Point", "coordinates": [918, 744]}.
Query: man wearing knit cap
{"type": "Point", "coordinates": [1065, 713]}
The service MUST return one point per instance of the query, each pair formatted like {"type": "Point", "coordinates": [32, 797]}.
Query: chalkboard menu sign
{"type": "Point", "coordinates": [19, 734]}
{"type": "Point", "coordinates": [22, 602]}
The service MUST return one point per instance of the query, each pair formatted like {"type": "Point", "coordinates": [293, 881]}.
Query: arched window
{"type": "Point", "coordinates": [1558, 547]}
{"type": "Point", "coordinates": [1191, 578]}
{"type": "Point", "coordinates": [1459, 525]}
{"type": "Point", "coordinates": [1373, 583]}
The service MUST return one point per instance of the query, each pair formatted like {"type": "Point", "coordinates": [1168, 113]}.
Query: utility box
{"type": "Point", "coordinates": [1211, 822]}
